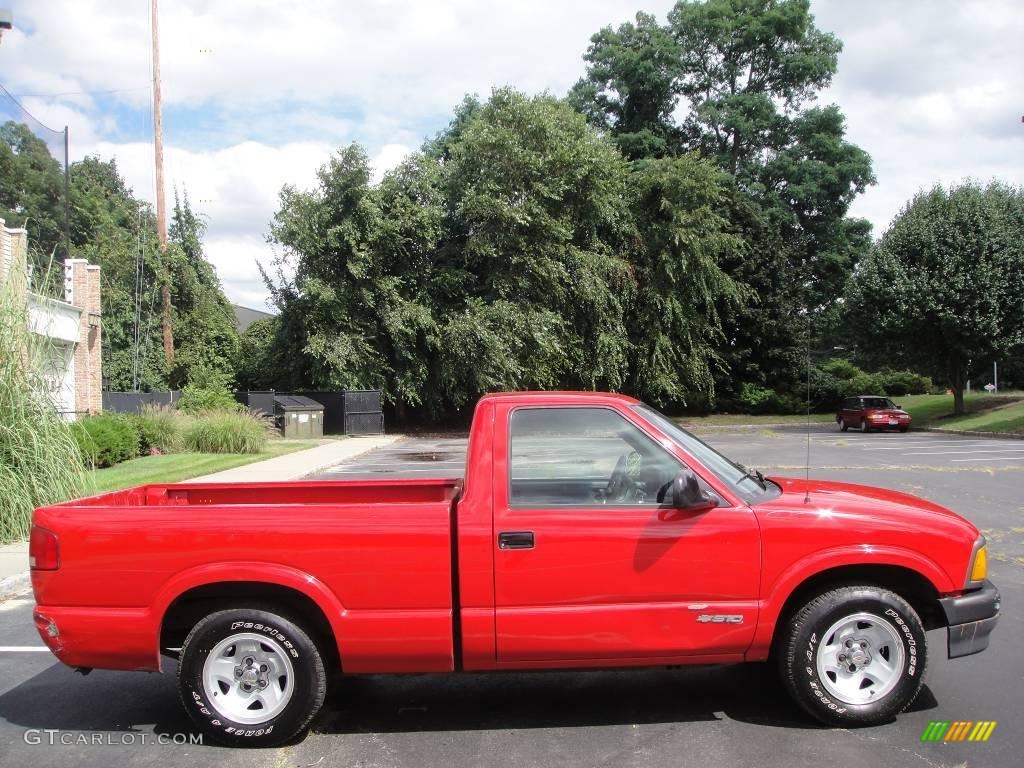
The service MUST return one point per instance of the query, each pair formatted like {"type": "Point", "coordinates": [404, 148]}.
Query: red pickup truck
{"type": "Point", "coordinates": [589, 531]}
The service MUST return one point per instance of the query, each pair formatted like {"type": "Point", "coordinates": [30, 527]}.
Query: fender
{"type": "Point", "coordinates": [269, 573]}
{"type": "Point", "coordinates": [775, 595]}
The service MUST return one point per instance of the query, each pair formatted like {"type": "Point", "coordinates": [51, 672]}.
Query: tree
{"type": "Point", "coordinates": [942, 290]}
{"type": "Point", "coordinates": [674, 322]}
{"type": "Point", "coordinates": [632, 86]}
{"type": "Point", "coordinates": [541, 213]}
{"type": "Point", "coordinates": [31, 190]}
{"type": "Point", "coordinates": [204, 325]}
{"type": "Point", "coordinates": [747, 72]}
{"type": "Point", "coordinates": [112, 228]}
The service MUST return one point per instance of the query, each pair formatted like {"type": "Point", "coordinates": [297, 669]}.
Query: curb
{"type": "Point", "coordinates": [12, 586]}
{"type": "Point", "coordinates": [969, 433]}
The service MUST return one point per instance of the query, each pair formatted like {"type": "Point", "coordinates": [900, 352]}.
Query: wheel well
{"type": "Point", "coordinates": [190, 607]}
{"type": "Point", "coordinates": [905, 582]}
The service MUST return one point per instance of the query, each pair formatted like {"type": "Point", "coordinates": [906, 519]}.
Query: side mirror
{"type": "Point", "coordinates": [899, 407]}
{"type": "Point", "coordinates": [686, 494]}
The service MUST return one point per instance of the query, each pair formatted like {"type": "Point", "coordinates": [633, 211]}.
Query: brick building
{"type": "Point", "coordinates": [73, 358]}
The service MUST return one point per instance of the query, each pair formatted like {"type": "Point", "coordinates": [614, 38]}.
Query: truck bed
{"type": "Point", "coordinates": [379, 552]}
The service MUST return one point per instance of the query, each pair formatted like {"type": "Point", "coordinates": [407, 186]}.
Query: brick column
{"type": "Point", "coordinates": [82, 289]}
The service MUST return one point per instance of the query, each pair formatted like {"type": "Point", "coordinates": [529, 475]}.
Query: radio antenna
{"type": "Point", "coordinates": [807, 465]}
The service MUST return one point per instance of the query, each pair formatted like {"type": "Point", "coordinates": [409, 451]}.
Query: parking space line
{"type": "Point", "coordinates": [949, 453]}
{"type": "Point", "coordinates": [920, 445]}
{"type": "Point", "coordinates": [24, 649]}
{"type": "Point", "coordinates": [994, 458]}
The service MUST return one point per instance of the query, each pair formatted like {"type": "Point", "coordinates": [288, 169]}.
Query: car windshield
{"type": "Point", "coordinates": [740, 480]}
{"type": "Point", "coordinates": [879, 402]}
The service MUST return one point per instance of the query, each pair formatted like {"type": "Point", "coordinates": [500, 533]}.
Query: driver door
{"type": "Point", "coordinates": [589, 567]}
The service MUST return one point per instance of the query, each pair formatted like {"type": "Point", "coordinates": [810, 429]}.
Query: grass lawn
{"type": "Point", "coordinates": [1003, 418]}
{"type": "Point", "coordinates": [174, 467]}
{"type": "Point", "coordinates": [985, 412]}
{"type": "Point", "coordinates": [725, 419]}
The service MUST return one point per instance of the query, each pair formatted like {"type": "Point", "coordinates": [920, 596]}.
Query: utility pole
{"type": "Point", "coordinates": [161, 203]}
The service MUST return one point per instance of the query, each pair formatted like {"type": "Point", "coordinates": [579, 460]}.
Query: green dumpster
{"type": "Point", "coordinates": [299, 417]}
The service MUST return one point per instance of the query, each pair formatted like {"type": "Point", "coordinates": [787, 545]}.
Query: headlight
{"type": "Point", "coordinates": [979, 563]}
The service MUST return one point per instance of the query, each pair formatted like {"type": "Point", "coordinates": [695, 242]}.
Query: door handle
{"type": "Point", "coordinates": [515, 540]}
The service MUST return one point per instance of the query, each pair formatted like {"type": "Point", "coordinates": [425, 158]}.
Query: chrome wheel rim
{"type": "Point", "coordinates": [860, 659]}
{"type": "Point", "coordinates": [248, 678]}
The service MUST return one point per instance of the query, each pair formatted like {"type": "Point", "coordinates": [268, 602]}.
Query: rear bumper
{"type": "Point", "coordinates": [105, 638]}
{"type": "Point", "coordinates": [971, 618]}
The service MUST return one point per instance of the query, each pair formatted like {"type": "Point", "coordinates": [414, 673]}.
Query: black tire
{"type": "Point", "coordinates": [864, 426]}
{"type": "Point", "coordinates": [904, 429]}
{"type": "Point", "coordinates": [803, 644]}
{"type": "Point", "coordinates": [282, 636]}
{"type": "Point", "coordinates": [843, 426]}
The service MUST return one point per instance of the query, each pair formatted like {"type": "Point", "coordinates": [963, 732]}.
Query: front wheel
{"type": "Point", "coordinates": [249, 677]}
{"type": "Point", "coordinates": [843, 426]}
{"type": "Point", "coordinates": [854, 656]}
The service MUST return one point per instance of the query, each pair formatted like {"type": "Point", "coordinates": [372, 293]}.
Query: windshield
{"type": "Point", "coordinates": [879, 402]}
{"type": "Point", "coordinates": [739, 479]}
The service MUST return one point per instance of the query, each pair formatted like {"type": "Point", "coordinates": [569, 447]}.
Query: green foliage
{"type": "Point", "coordinates": [747, 72]}
{"type": "Point", "coordinates": [261, 361]}
{"type": "Point", "coordinates": [159, 428]}
{"type": "Point", "coordinates": [898, 383]}
{"type": "Point", "coordinates": [207, 390]}
{"type": "Point", "coordinates": [841, 369]}
{"type": "Point", "coordinates": [228, 431]}
{"type": "Point", "coordinates": [107, 439]}
{"type": "Point", "coordinates": [942, 290]}
{"type": "Point", "coordinates": [40, 462]}
{"type": "Point", "coordinates": [632, 86]}
{"type": "Point", "coordinates": [31, 188]}
{"type": "Point", "coordinates": [761, 400]}
{"type": "Point", "coordinates": [674, 321]}
{"type": "Point", "coordinates": [205, 329]}
{"type": "Point", "coordinates": [108, 227]}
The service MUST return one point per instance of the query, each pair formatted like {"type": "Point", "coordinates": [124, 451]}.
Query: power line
{"type": "Point", "coordinates": [79, 93]}
{"type": "Point", "coordinates": [22, 108]}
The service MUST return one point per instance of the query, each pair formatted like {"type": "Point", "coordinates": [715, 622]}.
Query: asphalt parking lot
{"type": "Point", "coordinates": [729, 716]}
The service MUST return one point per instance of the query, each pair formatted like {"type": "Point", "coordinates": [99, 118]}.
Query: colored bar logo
{"type": "Point", "coordinates": [958, 730]}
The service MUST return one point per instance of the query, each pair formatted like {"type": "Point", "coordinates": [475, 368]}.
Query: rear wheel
{"type": "Point", "coordinates": [250, 677]}
{"type": "Point", "coordinates": [854, 656]}
{"type": "Point", "coordinates": [904, 429]}
{"type": "Point", "coordinates": [863, 425]}
{"type": "Point", "coordinates": [843, 426]}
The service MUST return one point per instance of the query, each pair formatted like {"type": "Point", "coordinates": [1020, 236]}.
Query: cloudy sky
{"type": "Point", "coordinates": [257, 94]}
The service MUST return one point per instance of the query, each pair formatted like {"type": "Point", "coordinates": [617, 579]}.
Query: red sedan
{"type": "Point", "coordinates": [869, 412]}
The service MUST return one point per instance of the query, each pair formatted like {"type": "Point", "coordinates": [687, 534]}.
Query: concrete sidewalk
{"type": "Point", "coordinates": [14, 576]}
{"type": "Point", "coordinates": [293, 466]}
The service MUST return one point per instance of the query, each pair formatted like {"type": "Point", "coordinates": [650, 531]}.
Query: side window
{"type": "Point", "coordinates": [583, 457]}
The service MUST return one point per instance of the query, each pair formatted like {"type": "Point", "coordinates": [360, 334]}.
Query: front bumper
{"type": "Point", "coordinates": [971, 618]}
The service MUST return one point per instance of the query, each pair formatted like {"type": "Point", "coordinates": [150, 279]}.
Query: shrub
{"type": "Point", "coordinates": [207, 390]}
{"type": "Point", "coordinates": [841, 369]}
{"type": "Point", "coordinates": [230, 431]}
{"type": "Point", "coordinates": [160, 428]}
{"type": "Point", "coordinates": [107, 439]}
{"type": "Point", "coordinates": [40, 462]}
{"type": "Point", "coordinates": [898, 383]}
{"type": "Point", "coordinates": [755, 399]}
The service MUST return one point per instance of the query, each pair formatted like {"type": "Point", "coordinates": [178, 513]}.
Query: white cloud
{"type": "Point", "coordinates": [930, 89]}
